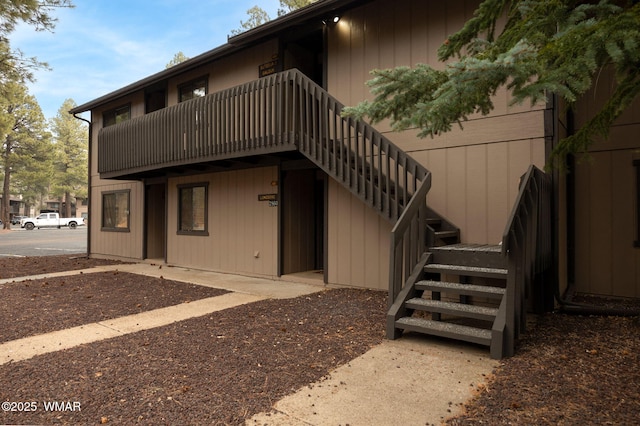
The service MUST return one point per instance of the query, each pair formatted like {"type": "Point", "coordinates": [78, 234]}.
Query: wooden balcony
{"type": "Point", "coordinates": [276, 114]}
{"type": "Point", "coordinates": [253, 119]}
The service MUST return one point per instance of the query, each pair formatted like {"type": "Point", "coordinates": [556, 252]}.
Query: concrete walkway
{"type": "Point", "coordinates": [410, 381]}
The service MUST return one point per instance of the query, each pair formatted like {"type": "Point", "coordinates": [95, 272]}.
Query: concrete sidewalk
{"type": "Point", "coordinates": [410, 381]}
{"type": "Point", "coordinates": [274, 289]}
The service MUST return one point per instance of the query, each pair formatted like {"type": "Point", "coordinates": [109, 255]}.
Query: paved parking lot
{"type": "Point", "coordinates": [42, 242]}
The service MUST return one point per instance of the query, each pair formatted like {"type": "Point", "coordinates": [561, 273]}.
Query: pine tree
{"type": "Point", "coordinates": [14, 65]}
{"type": "Point", "coordinates": [70, 158]}
{"type": "Point", "coordinates": [546, 47]}
{"type": "Point", "coordinates": [22, 128]}
{"type": "Point", "coordinates": [259, 16]}
{"type": "Point", "coordinates": [178, 58]}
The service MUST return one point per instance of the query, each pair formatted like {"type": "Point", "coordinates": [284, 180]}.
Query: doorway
{"type": "Point", "coordinates": [303, 221]}
{"type": "Point", "coordinates": [305, 51]}
{"type": "Point", "coordinates": [155, 221]}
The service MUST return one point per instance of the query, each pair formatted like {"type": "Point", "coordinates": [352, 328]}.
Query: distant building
{"type": "Point", "coordinates": [79, 208]}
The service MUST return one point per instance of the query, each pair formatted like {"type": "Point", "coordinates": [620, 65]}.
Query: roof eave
{"type": "Point", "coordinates": [319, 9]}
{"type": "Point", "coordinates": [235, 43]}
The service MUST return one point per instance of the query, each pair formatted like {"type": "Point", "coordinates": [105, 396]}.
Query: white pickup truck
{"type": "Point", "coordinates": [50, 220]}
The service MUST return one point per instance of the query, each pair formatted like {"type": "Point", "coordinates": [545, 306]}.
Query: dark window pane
{"type": "Point", "coordinates": [115, 210]}
{"type": "Point", "coordinates": [116, 116]}
{"type": "Point", "coordinates": [193, 209]}
{"type": "Point", "coordinates": [192, 90]}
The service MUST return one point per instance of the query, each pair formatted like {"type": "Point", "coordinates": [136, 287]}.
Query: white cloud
{"type": "Point", "coordinates": [102, 45]}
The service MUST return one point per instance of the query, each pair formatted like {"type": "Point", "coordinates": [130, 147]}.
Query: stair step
{"type": "Point", "coordinates": [462, 247]}
{"type": "Point", "coordinates": [464, 289]}
{"type": "Point", "coordinates": [447, 234]}
{"type": "Point", "coordinates": [452, 308]}
{"type": "Point", "coordinates": [471, 271]}
{"type": "Point", "coordinates": [478, 255]}
{"type": "Point", "coordinates": [444, 329]}
{"type": "Point", "coordinates": [434, 221]}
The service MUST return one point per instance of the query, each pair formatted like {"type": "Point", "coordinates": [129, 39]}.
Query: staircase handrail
{"type": "Point", "coordinates": [526, 243]}
{"type": "Point", "coordinates": [380, 160]}
{"type": "Point", "coordinates": [352, 151]}
{"type": "Point", "coordinates": [408, 239]}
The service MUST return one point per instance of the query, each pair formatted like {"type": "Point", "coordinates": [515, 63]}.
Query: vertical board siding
{"type": "Point", "coordinates": [477, 194]}
{"type": "Point", "coordinates": [606, 261]}
{"type": "Point", "coordinates": [358, 243]}
{"type": "Point", "coordinates": [128, 245]}
{"type": "Point", "coordinates": [125, 245]}
{"type": "Point", "coordinates": [623, 206]}
{"type": "Point", "coordinates": [239, 224]}
{"type": "Point", "coordinates": [475, 171]}
{"type": "Point", "coordinates": [475, 186]}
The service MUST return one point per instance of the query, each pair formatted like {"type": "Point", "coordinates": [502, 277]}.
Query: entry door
{"type": "Point", "coordinates": [305, 51]}
{"type": "Point", "coordinates": [155, 221]}
{"type": "Point", "coordinates": [302, 221]}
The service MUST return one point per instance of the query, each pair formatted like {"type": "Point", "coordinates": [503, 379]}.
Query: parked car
{"type": "Point", "coordinates": [16, 219]}
{"type": "Point", "coordinates": [51, 220]}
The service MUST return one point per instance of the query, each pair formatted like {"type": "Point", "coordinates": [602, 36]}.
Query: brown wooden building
{"type": "Point", "coordinates": [239, 160]}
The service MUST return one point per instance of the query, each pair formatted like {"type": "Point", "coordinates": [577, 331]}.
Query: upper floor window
{"type": "Point", "coordinates": [193, 89]}
{"type": "Point", "coordinates": [155, 99]}
{"type": "Point", "coordinates": [116, 115]}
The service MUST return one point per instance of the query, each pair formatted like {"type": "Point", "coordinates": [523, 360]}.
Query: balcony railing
{"type": "Point", "coordinates": [282, 112]}
{"type": "Point", "coordinates": [251, 119]}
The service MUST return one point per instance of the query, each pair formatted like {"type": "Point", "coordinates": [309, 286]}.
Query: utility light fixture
{"type": "Point", "coordinates": [331, 21]}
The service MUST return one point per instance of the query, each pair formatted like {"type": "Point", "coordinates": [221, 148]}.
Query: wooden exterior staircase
{"type": "Point", "coordinates": [479, 293]}
{"type": "Point", "coordinates": [459, 294]}
{"type": "Point", "coordinates": [484, 287]}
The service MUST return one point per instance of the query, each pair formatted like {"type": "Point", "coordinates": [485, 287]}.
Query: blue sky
{"type": "Point", "coordinates": [102, 45]}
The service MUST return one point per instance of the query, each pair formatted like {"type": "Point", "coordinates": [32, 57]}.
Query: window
{"type": "Point", "coordinates": [193, 89]}
{"type": "Point", "coordinates": [155, 100]}
{"type": "Point", "coordinates": [115, 211]}
{"type": "Point", "coordinates": [117, 115]}
{"type": "Point", "coordinates": [192, 209]}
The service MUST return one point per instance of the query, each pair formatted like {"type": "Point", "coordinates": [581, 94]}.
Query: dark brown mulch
{"type": "Point", "coordinates": [218, 369]}
{"type": "Point", "coordinates": [35, 265]}
{"type": "Point", "coordinates": [39, 306]}
{"type": "Point", "coordinates": [225, 367]}
{"type": "Point", "coordinates": [568, 370]}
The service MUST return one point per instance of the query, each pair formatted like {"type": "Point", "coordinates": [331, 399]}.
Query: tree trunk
{"type": "Point", "coordinates": [67, 204]}
{"type": "Point", "coordinates": [6, 193]}
{"type": "Point", "coordinates": [6, 202]}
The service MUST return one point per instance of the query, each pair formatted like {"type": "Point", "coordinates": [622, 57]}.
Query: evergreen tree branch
{"type": "Point", "coordinates": [546, 47]}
